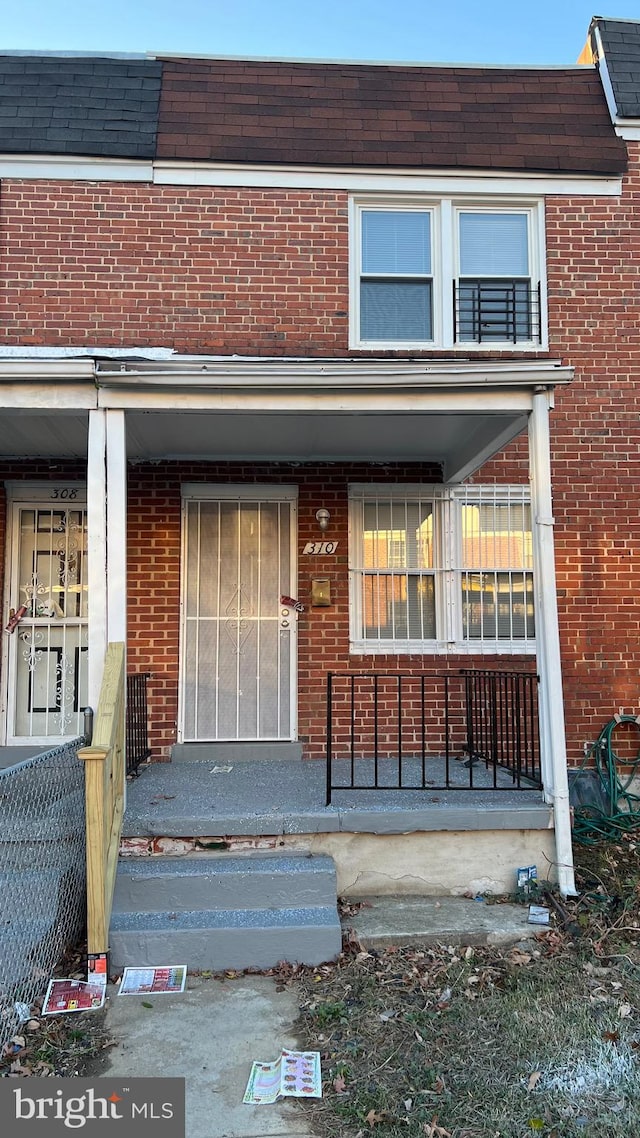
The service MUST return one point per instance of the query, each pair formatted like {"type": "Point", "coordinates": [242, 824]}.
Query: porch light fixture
{"type": "Point", "coordinates": [323, 517]}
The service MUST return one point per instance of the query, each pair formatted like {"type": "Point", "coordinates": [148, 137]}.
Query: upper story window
{"type": "Point", "coordinates": [446, 274]}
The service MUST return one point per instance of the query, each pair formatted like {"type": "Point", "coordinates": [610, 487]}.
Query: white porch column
{"type": "Point", "coordinates": [116, 496]}
{"type": "Point", "coordinates": [96, 553]}
{"type": "Point", "coordinates": [552, 732]}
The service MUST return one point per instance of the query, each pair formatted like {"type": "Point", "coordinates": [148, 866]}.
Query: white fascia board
{"type": "Point", "coordinates": [356, 180]}
{"type": "Point", "coordinates": [29, 396]}
{"type": "Point", "coordinates": [28, 368]}
{"type": "Point", "coordinates": [59, 168]}
{"type": "Point", "coordinates": [605, 78]}
{"type": "Point", "coordinates": [628, 129]}
{"type": "Point", "coordinates": [449, 401]}
{"type": "Point", "coordinates": [351, 180]}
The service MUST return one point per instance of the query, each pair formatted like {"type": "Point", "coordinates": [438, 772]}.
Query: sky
{"type": "Point", "coordinates": [430, 31]}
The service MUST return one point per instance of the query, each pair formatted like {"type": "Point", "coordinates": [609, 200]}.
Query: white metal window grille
{"type": "Point", "coordinates": [496, 566]}
{"type": "Point", "coordinates": [447, 273]}
{"type": "Point", "coordinates": [434, 568]}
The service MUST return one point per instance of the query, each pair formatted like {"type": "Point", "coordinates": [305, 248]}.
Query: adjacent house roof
{"type": "Point", "coordinates": [79, 105]}
{"type": "Point", "coordinates": [618, 41]}
{"type": "Point", "coordinates": [519, 119]}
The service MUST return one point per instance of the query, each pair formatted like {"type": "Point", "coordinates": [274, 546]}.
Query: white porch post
{"type": "Point", "coordinates": [552, 732]}
{"type": "Point", "coordinates": [116, 450]}
{"type": "Point", "coordinates": [96, 553]}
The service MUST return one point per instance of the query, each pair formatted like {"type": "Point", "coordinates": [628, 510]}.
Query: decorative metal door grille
{"type": "Point", "coordinates": [237, 637]}
{"type": "Point", "coordinates": [48, 649]}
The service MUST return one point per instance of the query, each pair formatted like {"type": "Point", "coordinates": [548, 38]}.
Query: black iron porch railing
{"type": "Point", "coordinates": [492, 310]}
{"type": "Point", "coordinates": [472, 730]}
{"type": "Point", "coordinates": [137, 736]}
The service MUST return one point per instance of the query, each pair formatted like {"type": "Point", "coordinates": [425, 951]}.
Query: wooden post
{"type": "Point", "coordinates": [104, 798]}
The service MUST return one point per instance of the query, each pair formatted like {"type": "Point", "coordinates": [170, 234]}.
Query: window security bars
{"type": "Point", "coordinates": [500, 311]}
{"type": "Point", "coordinates": [42, 867]}
{"type": "Point", "coordinates": [137, 744]}
{"type": "Point", "coordinates": [473, 730]}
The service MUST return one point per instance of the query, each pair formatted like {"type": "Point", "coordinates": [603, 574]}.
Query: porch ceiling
{"type": "Point", "coordinates": [460, 441]}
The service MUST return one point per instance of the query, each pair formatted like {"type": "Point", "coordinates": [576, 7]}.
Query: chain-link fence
{"type": "Point", "coordinates": [42, 873]}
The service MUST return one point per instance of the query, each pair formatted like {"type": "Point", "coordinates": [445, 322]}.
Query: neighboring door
{"type": "Point", "coordinates": [238, 637]}
{"type": "Point", "coordinates": [46, 654]}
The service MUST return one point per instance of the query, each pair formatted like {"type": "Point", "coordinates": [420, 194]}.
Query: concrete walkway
{"type": "Point", "coordinates": [210, 1034]}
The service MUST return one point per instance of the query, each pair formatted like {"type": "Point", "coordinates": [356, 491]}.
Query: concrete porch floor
{"type": "Point", "coordinates": [287, 796]}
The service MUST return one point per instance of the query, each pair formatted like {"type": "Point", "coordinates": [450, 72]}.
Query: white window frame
{"type": "Point", "coordinates": [445, 212]}
{"type": "Point", "coordinates": [448, 570]}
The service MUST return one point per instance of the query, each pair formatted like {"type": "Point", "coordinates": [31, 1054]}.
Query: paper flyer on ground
{"type": "Point", "coordinates": [295, 1073]}
{"type": "Point", "coordinates": [72, 996]}
{"type": "Point", "coordinates": [153, 981]}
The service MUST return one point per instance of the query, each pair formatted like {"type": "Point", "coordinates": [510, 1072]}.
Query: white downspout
{"type": "Point", "coordinates": [552, 732]}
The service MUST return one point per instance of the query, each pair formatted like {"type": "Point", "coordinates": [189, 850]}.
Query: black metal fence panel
{"type": "Point", "coordinates": [472, 730]}
{"type": "Point", "coordinates": [137, 733]}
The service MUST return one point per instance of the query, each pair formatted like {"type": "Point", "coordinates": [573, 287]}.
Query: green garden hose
{"type": "Point", "coordinates": [621, 815]}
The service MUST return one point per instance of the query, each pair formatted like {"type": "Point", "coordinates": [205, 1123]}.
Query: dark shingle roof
{"type": "Point", "coordinates": [525, 119]}
{"type": "Point", "coordinates": [621, 43]}
{"type": "Point", "coordinates": [81, 105]}
{"type": "Point", "coordinates": [374, 115]}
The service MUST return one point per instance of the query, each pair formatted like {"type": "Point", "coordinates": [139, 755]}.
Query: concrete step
{"type": "Point", "coordinates": [224, 881]}
{"type": "Point", "coordinates": [384, 921]}
{"type": "Point", "coordinates": [231, 938]}
{"type": "Point", "coordinates": [234, 752]}
{"type": "Point", "coordinates": [216, 911]}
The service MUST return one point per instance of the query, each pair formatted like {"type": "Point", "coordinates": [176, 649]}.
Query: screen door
{"type": "Point", "coordinates": [238, 636]}
{"type": "Point", "coordinates": [47, 651]}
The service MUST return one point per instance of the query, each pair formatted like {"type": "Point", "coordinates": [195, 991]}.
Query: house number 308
{"type": "Point", "coordinates": [64, 493]}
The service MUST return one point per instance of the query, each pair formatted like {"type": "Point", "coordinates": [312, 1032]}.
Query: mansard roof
{"type": "Point", "coordinates": [618, 42]}
{"type": "Point", "coordinates": [534, 119]}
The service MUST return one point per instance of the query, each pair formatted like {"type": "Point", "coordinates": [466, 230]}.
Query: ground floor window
{"type": "Point", "coordinates": [435, 568]}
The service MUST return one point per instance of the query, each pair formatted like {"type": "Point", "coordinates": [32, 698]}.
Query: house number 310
{"type": "Point", "coordinates": [320, 547]}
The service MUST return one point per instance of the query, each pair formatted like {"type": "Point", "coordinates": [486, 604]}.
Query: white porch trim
{"type": "Point", "coordinates": [96, 552]}
{"type": "Point", "coordinates": [552, 730]}
{"type": "Point", "coordinates": [116, 450]}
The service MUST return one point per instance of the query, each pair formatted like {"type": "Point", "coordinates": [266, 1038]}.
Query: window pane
{"type": "Point", "coordinates": [395, 242]}
{"type": "Point", "coordinates": [493, 244]}
{"type": "Point", "coordinates": [497, 606]}
{"type": "Point", "coordinates": [398, 606]}
{"type": "Point", "coordinates": [496, 535]}
{"type": "Point", "coordinates": [394, 310]}
{"type": "Point", "coordinates": [397, 535]}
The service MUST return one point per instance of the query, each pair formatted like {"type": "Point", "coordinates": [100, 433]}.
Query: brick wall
{"type": "Point", "coordinates": [265, 272]}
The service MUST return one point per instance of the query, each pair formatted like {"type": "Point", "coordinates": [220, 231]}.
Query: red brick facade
{"type": "Point", "coordinates": [264, 272]}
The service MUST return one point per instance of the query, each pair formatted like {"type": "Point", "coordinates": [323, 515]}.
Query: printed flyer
{"type": "Point", "coordinates": [153, 981]}
{"type": "Point", "coordinates": [72, 996]}
{"type": "Point", "coordinates": [295, 1074]}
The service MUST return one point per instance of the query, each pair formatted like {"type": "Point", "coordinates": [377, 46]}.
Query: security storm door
{"type": "Point", "coordinates": [47, 649]}
{"type": "Point", "coordinates": [238, 635]}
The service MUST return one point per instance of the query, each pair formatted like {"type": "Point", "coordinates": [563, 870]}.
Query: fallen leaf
{"type": "Point", "coordinates": [536, 1124]}
{"type": "Point", "coordinates": [534, 1079]}
{"type": "Point", "coordinates": [520, 958]}
{"type": "Point", "coordinates": [611, 1036]}
{"type": "Point", "coordinates": [376, 1116]}
{"type": "Point", "coordinates": [146, 1004]}
{"type": "Point", "coordinates": [339, 1084]}
{"type": "Point", "coordinates": [624, 1010]}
